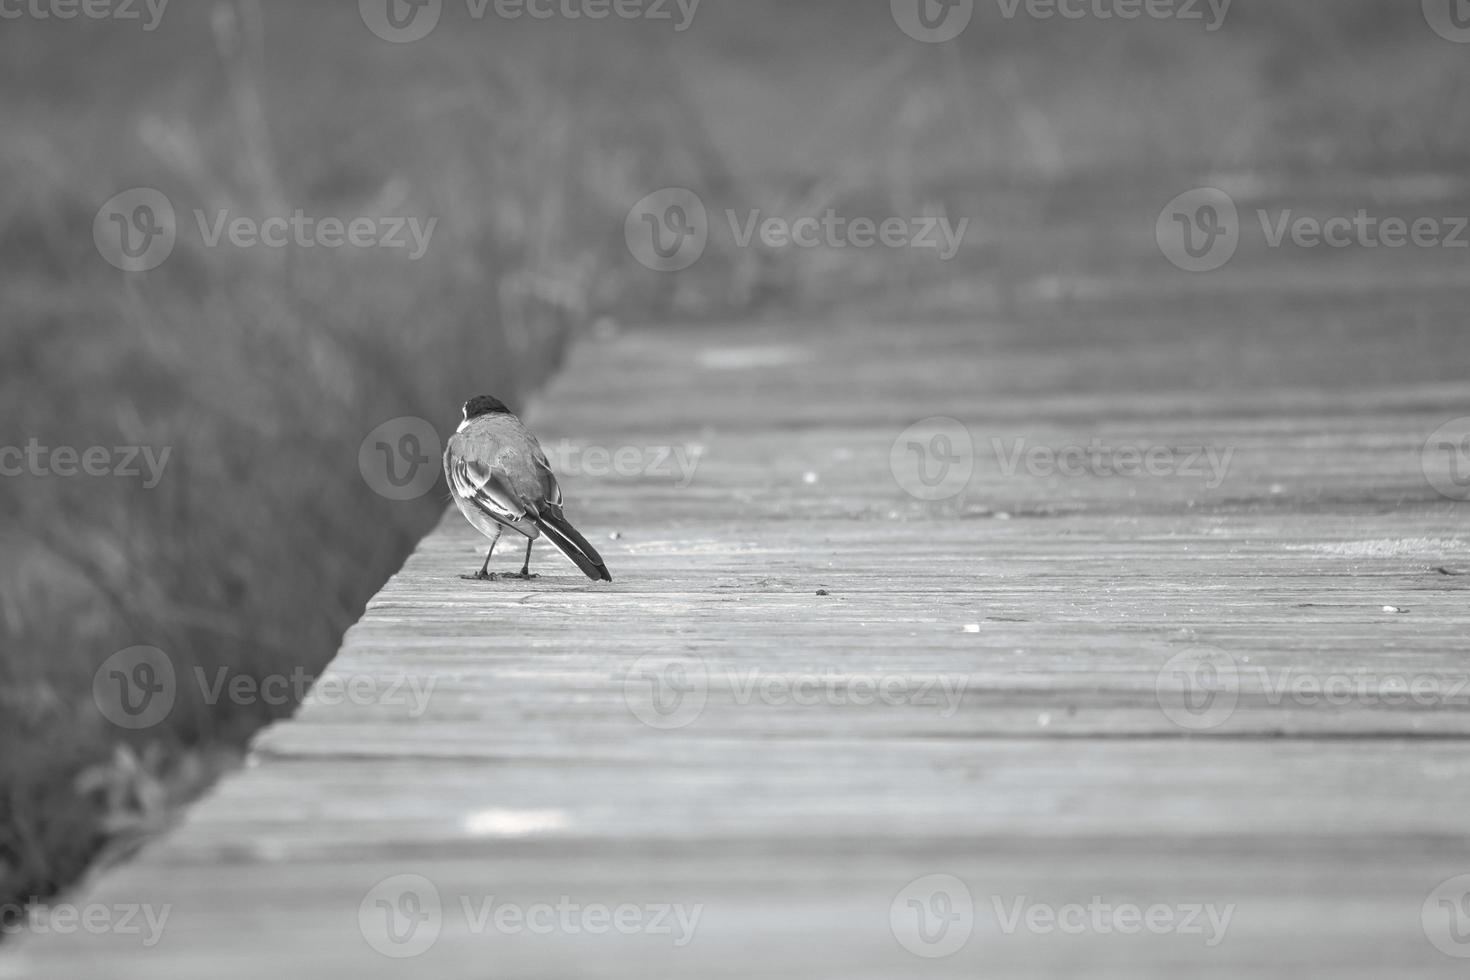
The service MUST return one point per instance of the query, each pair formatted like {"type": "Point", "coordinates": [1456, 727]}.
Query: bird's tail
{"type": "Point", "coordinates": [574, 546]}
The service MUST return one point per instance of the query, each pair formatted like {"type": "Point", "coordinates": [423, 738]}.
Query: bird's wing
{"type": "Point", "coordinates": [551, 489]}
{"type": "Point", "coordinates": [480, 483]}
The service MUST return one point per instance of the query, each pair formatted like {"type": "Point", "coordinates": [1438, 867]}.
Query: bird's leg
{"type": "Point", "coordinates": [484, 573]}
{"type": "Point", "coordinates": [526, 568]}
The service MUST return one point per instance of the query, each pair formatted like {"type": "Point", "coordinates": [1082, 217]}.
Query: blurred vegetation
{"type": "Point", "coordinates": [264, 369]}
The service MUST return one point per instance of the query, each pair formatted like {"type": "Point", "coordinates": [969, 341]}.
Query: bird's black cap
{"type": "Point", "coordinates": [484, 405]}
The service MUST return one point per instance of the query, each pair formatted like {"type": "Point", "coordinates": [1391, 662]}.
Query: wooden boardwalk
{"type": "Point", "coordinates": [1051, 726]}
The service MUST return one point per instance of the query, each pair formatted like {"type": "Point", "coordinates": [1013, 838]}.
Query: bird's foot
{"type": "Point", "coordinates": [480, 577]}
{"type": "Point", "coordinates": [522, 577]}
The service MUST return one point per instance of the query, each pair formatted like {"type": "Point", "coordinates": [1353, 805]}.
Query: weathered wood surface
{"type": "Point", "coordinates": [1049, 605]}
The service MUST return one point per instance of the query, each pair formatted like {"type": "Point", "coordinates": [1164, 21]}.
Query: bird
{"type": "Point", "coordinates": [501, 480]}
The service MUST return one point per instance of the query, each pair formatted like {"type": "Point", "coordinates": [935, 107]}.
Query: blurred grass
{"type": "Point", "coordinates": [264, 370]}
{"type": "Point", "coordinates": [1058, 138]}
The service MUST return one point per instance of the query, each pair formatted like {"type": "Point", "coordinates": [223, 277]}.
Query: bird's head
{"type": "Point", "coordinates": [484, 405]}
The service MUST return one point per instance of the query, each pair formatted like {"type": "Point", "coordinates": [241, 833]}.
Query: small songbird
{"type": "Point", "coordinates": [501, 479]}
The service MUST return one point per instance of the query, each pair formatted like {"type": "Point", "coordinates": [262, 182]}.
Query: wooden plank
{"type": "Point", "coordinates": [808, 692]}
